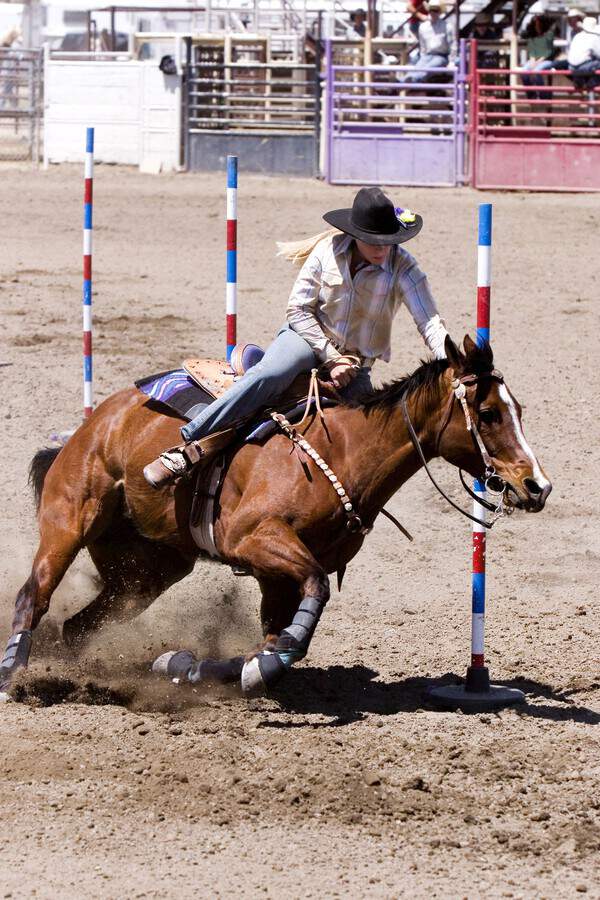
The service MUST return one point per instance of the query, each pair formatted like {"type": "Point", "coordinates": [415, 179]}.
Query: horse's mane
{"type": "Point", "coordinates": [426, 378]}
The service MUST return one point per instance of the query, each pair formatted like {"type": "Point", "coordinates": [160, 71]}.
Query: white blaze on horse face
{"type": "Point", "coordinates": [539, 478]}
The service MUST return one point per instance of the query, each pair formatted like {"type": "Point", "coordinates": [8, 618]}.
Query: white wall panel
{"type": "Point", "coordinates": [134, 108]}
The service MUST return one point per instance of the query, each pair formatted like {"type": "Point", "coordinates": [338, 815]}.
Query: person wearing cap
{"type": "Point", "coordinates": [354, 279]}
{"type": "Point", "coordinates": [358, 27]}
{"type": "Point", "coordinates": [437, 45]}
{"type": "Point", "coordinates": [584, 55]}
{"type": "Point", "coordinates": [483, 29]}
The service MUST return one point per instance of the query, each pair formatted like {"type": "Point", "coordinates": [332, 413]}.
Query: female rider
{"type": "Point", "coordinates": [354, 279]}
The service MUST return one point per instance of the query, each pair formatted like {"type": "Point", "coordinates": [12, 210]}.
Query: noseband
{"type": "Point", "coordinates": [494, 484]}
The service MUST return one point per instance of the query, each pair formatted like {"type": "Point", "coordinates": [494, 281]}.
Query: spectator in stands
{"type": "Point", "coordinates": [418, 10]}
{"type": "Point", "coordinates": [584, 55]}
{"type": "Point", "coordinates": [437, 45]}
{"type": "Point", "coordinates": [483, 29]}
{"type": "Point", "coordinates": [574, 21]}
{"type": "Point", "coordinates": [540, 52]}
{"type": "Point", "coordinates": [358, 25]}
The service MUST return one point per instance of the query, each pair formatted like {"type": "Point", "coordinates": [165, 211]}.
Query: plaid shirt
{"type": "Point", "coordinates": [338, 314]}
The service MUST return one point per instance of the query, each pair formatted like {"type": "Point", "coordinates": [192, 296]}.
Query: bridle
{"type": "Point", "coordinates": [494, 484]}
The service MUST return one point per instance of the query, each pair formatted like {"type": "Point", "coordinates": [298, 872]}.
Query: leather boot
{"type": "Point", "coordinates": [178, 461]}
{"type": "Point", "coordinates": [172, 464]}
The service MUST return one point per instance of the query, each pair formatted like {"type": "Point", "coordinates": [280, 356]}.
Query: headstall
{"type": "Point", "coordinates": [494, 484]}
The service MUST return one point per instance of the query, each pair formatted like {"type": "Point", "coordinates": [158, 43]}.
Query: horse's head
{"type": "Point", "coordinates": [479, 397]}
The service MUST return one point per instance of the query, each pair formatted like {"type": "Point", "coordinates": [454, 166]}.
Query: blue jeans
{"type": "Point", "coordinates": [286, 357]}
{"type": "Point", "coordinates": [427, 61]}
{"type": "Point", "coordinates": [583, 76]}
{"type": "Point", "coordinates": [537, 79]}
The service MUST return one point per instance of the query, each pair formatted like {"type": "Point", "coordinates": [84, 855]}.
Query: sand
{"type": "Point", "coordinates": [345, 781]}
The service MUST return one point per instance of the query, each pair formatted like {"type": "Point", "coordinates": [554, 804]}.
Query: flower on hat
{"type": "Point", "coordinates": [406, 217]}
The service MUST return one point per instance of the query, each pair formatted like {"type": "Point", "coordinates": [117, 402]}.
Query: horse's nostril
{"type": "Point", "coordinates": [532, 486]}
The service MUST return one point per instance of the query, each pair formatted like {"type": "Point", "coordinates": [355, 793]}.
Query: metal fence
{"type": "Point", "coordinates": [532, 131]}
{"type": "Point", "coordinates": [267, 112]}
{"type": "Point", "coordinates": [395, 124]}
{"type": "Point", "coordinates": [21, 104]}
{"type": "Point", "coordinates": [251, 96]}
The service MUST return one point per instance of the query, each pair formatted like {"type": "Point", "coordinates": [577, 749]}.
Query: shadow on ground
{"type": "Point", "coordinates": [347, 694]}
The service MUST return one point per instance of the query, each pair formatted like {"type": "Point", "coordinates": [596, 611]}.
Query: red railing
{"type": "Point", "coordinates": [533, 136]}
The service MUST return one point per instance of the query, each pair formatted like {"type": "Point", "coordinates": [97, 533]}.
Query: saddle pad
{"type": "Point", "coordinates": [177, 391]}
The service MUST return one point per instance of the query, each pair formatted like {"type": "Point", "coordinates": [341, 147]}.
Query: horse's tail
{"type": "Point", "coordinates": [38, 470]}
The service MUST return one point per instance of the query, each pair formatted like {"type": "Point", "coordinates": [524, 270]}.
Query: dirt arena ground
{"type": "Point", "coordinates": [344, 782]}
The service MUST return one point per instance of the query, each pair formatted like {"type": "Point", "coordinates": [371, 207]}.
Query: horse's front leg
{"type": "Point", "coordinates": [294, 589]}
{"type": "Point", "coordinates": [277, 555]}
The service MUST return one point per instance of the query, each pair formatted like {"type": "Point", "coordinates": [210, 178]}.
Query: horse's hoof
{"type": "Point", "coordinates": [4, 697]}
{"type": "Point", "coordinates": [174, 664]}
{"type": "Point", "coordinates": [262, 671]}
{"type": "Point", "coordinates": [160, 666]}
{"type": "Point", "coordinates": [252, 680]}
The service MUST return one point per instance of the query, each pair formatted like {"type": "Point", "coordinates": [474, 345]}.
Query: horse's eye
{"type": "Point", "coordinates": [487, 416]}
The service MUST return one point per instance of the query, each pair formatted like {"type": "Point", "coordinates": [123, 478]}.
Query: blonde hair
{"type": "Point", "coordinates": [298, 252]}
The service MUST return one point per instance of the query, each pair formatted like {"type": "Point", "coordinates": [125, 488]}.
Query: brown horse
{"type": "Point", "coordinates": [277, 515]}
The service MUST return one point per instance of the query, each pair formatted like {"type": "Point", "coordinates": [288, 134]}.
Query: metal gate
{"type": "Point", "coordinates": [21, 104]}
{"type": "Point", "coordinates": [383, 127]}
{"type": "Point", "coordinates": [265, 112]}
{"type": "Point", "coordinates": [541, 136]}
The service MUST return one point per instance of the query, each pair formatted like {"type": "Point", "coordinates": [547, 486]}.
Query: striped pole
{"type": "Point", "coordinates": [88, 401]}
{"type": "Point", "coordinates": [484, 272]}
{"type": "Point", "coordinates": [231, 291]}
{"type": "Point", "coordinates": [477, 694]}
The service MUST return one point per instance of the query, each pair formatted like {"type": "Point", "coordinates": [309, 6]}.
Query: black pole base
{"type": "Point", "coordinates": [476, 694]}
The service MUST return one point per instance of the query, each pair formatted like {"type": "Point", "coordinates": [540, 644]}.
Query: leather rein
{"type": "Point", "coordinates": [494, 484]}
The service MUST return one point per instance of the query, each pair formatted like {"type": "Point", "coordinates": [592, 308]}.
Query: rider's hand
{"type": "Point", "coordinates": [342, 371]}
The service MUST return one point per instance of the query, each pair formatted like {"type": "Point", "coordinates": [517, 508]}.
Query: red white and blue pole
{"type": "Point", "coordinates": [88, 395]}
{"type": "Point", "coordinates": [484, 277]}
{"type": "Point", "coordinates": [231, 290]}
{"type": "Point", "coordinates": [477, 694]}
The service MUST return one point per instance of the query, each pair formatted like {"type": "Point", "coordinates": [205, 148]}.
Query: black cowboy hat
{"type": "Point", "coordinates": [374, 219]}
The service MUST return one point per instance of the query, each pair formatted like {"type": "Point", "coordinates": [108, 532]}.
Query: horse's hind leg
{"type": "Point", "coordinates": [135, 571]}
{"type": "Point", "coordinates": [60, 541]}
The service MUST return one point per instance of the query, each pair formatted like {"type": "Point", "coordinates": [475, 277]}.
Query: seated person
{"type": "Point", "coordinates": [540, 51]}
{"type": "Point", "coordinates": [584, 55]}
{"type": "Point", "coordinates": [561, 63]}
{"type": "Point", "coordinates": [484, 29]}
{"type": "Point", "coordinates": [437, 46]}
{"type": "Point", "coordinates": [339, 316]}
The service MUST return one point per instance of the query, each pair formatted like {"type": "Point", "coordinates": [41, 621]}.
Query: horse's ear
{"type": "Point", "coordinates": [453, 354]}
{"type": "Point", "coordinates": [482, 352]}
{"type": "Point", "coordinates": [469, 345]}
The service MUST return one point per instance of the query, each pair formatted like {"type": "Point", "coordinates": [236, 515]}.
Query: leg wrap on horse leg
{"type": "Point", "coordinates": [293, 642]}
{"type": "Point", "coordinates": [16, 655]}
{"type": "Point", "coordinates": [266, 668]}
{"type": "Point", "coordinates": [181, 665]}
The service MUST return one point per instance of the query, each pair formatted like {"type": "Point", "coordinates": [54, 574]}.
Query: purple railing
{"type": "Point", "coordinates": [395, 124]}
